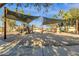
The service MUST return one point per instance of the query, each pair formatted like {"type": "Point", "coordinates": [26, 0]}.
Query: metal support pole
{"type": "Point", "coordinates": [5, 22]}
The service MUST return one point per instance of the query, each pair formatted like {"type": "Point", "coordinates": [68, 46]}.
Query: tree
{"type": "Point", "coordinates": [37, 6]}
{"type": "Point", "coordinates": [10, 24]}
{"type": "Point", "coordinates": [66, 17]}
{"type": "Point", "coordinates": [61, 15]}
{"type": "Point", "coordinates": [75, 15]}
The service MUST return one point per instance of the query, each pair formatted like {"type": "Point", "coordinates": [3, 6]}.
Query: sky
{"type": "Point", "coordinates": [52, 10]}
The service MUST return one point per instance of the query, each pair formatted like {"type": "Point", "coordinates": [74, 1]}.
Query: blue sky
{"type": "Point", "coordinates": [52, 10]}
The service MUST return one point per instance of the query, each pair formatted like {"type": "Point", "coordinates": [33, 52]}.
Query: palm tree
{"type": "Point", "coordinates": [66, 17]}
{"type": "Point", "coordinates": [75, 15]}
{"type": "Point", "coordinates": [61, 15]}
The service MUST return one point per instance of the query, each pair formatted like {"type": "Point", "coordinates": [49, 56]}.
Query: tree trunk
{"type": "Point", "coordinates": [77, 26]}
{"type": "Point", "coordinates": [66, 26]}
{"type": "Point", "coordinates": [42, 30]}
{"type": "Point", "coordinates": [32, 28]}
{"type": "Point", "coordinates": [71, 22]}
{"type": "Point", "coordinates": [28, 29]}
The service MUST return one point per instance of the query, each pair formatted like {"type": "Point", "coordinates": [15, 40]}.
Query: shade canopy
{"type": "Point", "coordinates": [27, 18]}
{"type": "Point", "coordinates": [51, 21]}
{"type": "Point", "coordinates": [19, 16]}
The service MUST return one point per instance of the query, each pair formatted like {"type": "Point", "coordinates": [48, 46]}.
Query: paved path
{"type": "Point", "coordinates": [66, 46]}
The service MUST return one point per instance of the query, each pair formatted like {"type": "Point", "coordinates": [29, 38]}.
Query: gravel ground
{"type": "Point", "coordinates": [56, 46]}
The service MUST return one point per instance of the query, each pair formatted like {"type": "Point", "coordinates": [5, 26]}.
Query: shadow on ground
{"type": "Point", "coordinates": [55, 46]}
